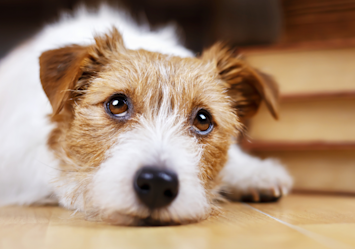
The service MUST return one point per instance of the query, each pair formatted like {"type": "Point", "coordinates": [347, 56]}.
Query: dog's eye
{"type": "Point", "coordinates": [118, 105]}
{"type": "Point", "coordinates": [203, 122]}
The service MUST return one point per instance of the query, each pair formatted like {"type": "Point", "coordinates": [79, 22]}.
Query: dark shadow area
{"type": "Point", "coordinates": [202, 22]}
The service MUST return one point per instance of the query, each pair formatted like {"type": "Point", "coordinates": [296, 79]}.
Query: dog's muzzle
{"type": "Point", "coordinates": [156, 187]}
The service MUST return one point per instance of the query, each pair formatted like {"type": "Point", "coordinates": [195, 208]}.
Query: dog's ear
{"type": "Point", "coordinates": [66, 70]}
{"type": "Point", "coordinates": [246, 85]}
{"type": "Point", "coordinates": [60, 69]}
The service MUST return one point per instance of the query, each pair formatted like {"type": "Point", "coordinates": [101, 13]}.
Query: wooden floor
{"type": "Point", "coordinates": [297, 221]}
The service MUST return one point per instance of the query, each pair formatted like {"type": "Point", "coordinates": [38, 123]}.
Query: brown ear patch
{"type": "Point", "coordinates": [59, 70]}
{"type": "Point", "coordinates": [65, 72]}
{"type": "Point", "coordinates": [246, 85]}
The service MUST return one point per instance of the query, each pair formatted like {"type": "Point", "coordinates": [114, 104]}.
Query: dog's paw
{"type": "Point", "coordinates": [260, 195]}
{"type": "Point", "coordinates": [267, 181]}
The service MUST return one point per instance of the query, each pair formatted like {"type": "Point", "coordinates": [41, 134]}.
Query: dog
{"type": "Point", "coordinates": [127, 126]}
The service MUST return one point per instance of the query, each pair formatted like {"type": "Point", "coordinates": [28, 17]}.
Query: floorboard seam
{"type": "Point", "coordinates": [328, 242]}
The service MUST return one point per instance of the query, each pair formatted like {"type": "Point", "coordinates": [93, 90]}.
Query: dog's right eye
{"type": "Point", "coordinates": [117, 105]}
{"type": "Point", "coordinates": [203, 122]}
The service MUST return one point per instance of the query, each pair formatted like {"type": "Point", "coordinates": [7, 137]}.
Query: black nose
{"type": "Point", "coordinates": [156, 187]}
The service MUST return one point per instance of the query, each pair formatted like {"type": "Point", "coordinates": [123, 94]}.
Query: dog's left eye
{"type": "Point", "coordinates": [117, 105]}
{"type": "Point", "coordinates": [203, 122]}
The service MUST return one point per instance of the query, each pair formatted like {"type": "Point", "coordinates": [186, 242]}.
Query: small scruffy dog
{"type": "Point", "coordinates": [136, 130]}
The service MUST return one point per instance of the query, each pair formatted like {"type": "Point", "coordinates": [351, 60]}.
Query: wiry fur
{"type": "Point", "coordinates": [255, 177]}
{"type": "Point", "coordinates": [87, 159]}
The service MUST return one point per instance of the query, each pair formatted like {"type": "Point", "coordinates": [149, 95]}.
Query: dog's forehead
{"type": "Point", "coordinates": [150, 77]}
{"type": "Point", "coordinates": [142, 69]}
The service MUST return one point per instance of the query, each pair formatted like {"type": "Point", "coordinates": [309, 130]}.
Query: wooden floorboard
{"type": "Point", "coordinates": [297, 221]}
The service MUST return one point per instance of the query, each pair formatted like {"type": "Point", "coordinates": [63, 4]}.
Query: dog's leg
{"type": "Point", "coordinates": [26, 175]}
{"type": "Point", "coordinates": [248, 178]}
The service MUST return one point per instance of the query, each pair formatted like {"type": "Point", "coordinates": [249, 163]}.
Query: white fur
{"type": "Point", "coordinates": [243, 174]}
{"type": "Point", "coordinates": [27, 167]}
{"type": "Point", "coordinates": [155, 141]}
{"type": "Point", "coordinates": [160, 140]}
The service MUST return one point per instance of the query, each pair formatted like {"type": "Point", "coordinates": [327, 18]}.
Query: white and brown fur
{"type": "Point", "coordinates": [69, 150]}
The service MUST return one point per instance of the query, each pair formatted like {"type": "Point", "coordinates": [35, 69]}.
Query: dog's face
{"type": "Point", "coordinates": [142, 136]}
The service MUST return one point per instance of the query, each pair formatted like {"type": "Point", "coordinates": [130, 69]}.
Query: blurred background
{"type": "Point", "coordinates": [202, 21]}
{"type": "Point", "coordinates": [307, 45]}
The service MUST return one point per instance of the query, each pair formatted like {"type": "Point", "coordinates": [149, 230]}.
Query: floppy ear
{"type": "Point", "coordinates": [60, 69]}
{"type": "Point", "coordinates": [246, 85]}
{"type": "Point", "coordinates": [69, 68]}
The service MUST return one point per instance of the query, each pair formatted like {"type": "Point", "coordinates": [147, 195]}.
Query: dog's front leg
{"type": "Point", "coordinates": [248, 178]}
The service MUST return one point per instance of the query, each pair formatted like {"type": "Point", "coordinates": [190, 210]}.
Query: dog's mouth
{"type": "Point", "coordinates": [149, 221]}
{"type": "Point", "coordinates": [117, 218]}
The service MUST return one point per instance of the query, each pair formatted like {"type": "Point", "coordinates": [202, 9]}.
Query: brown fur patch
{"type": "Point", "coordinates": [247, 86]}
{"type": "Point", "coordinates": [78, 91]}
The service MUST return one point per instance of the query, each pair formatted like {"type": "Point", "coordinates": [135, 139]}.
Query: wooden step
{"type": "Point", "coordinates": [326, 170]}
{"type": "Point", "coordinates": [298, 97]}
{"type": "Point", "coordinates": [304, 70]}
{"type": "Point", "coordinates": [305, 120]}
{"type": "Point", "coordinates": [306, 20]}
{"type": "Point", "coordinates": [260, 146]}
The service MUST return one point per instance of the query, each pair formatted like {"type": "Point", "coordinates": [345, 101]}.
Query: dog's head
{"type": "Point", "coordinates": [142, 136]}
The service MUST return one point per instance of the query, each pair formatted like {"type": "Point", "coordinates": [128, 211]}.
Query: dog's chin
{"type": "Point", "coordinates": [119, 219]}
{"type": "Point", "coordinates": [153, 219]}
